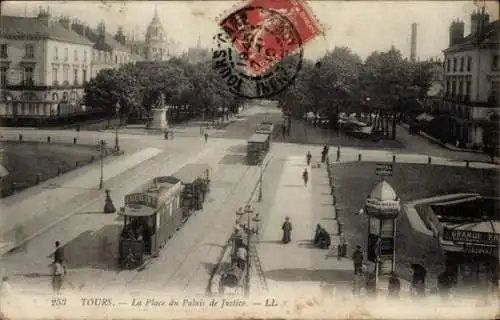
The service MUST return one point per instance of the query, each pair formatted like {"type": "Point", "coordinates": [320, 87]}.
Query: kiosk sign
{"type": "Point", "coordinates": [384, 169]}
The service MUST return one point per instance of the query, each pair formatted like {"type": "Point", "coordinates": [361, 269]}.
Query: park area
{"type": "Point", "coordinates": [28, 162]}
{"type": "Point", "coordinates": [354, 182]}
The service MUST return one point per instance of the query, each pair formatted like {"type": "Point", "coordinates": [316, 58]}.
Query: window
{"type": "Point", "coordinates": [454, 64]}
{"type": "Point", "coordinates": [467, 88]}
{"type": "Point", "coordinates": [469, 63]}
{"type": "Point", "coordinates": [75, 55]}
{"type": "Point", "coordinates": [65, 74]}
{"type": "Point", "coordinates": [460, 87]}
{"type": "Point", "coordinates": [116, 59]}
{"type": "Point", "coordinates": [56, 53]}
{"type": "Point", "coordinates": [494, 62]}
{"type": "Point", "coordinates": [29, 51]}
{"type": "Point", "coordinates": [28, 76]}
{"type": "Point", "coordinates": [66, 55]}
{"type": "Point", "coordinates": [461, 64]}
{"type": "Point", "coordinates": [3, 51]}
{"type": "Point", "coordinates": [55, 97]}
{"type": "Point", "coordinates": [55, 72]}
{"type": "Point", "coordinates": [453, 87]}
{"type": "Point", "coordinates": [448, 65]}
{"type": "Point", "coordinates": [75, 76]}
{"type": "Point", "coordinates": [3, 76]}
{"type": "Point", "coordinates": [448, 86]}
{"type": "Point", "coordinates": [84, 75]}
{"type": "Point", "coordinates": [65, 96]}
{"type": "Point", "coordinates": [84, 56]}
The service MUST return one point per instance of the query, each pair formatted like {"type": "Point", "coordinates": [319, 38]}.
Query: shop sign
{"type": "Point", "coordinates": [490, 250]}
{"type": "Point", "coordinates": [141, 198]}
{"type": "Point", "coordinates": [470, 236]}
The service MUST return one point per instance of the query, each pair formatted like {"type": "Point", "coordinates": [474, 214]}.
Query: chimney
{"type": "Point", "coordinates": [413, 48]}
{"type": "Point", "coordinates": [44, 17]}
{"type": "Point", "coordinates": [478, 21]}
{"type": "Point", "coordinates": [457, 29]}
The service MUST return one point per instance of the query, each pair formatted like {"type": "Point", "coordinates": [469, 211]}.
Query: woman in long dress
{"type": "Point", "coordinates": [287, 230]}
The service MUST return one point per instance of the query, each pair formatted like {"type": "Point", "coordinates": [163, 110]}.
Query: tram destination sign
{"type": "Point", "coordinates": [469, 236]}
{"type": "Point", "coordinates": [141, 198]}
{"type": "Point", "coordinates": [384, 169]}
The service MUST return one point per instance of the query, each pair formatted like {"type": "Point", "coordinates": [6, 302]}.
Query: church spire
{"type": "Point", "coordinates": [156, 11]}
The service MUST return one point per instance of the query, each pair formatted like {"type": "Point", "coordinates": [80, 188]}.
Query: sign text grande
{"type": "Point", "coordinates": [470, 236]}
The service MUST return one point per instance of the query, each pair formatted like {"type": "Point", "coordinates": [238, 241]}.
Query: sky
{"type": "Point", "coordinates": [363, 26]}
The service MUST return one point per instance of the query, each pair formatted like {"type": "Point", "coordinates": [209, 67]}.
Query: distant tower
{"type": "Point", "coordinates": [157, 46]}
{"type": "Point", "coordinates": [413, 49]}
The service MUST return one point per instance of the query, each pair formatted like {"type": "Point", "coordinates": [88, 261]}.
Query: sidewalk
{"type": "Point", "coordinates": [299, 267]}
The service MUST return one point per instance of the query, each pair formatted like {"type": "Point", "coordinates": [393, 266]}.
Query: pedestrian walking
{"type": "Point", "coordinates": [287, 230]}
{"type": "Point", "coordinates": [418, 280]}
{"type": "Point", "coordinates": [206, 136]}
{"type": "Point", "coordinates": [308, 157]}
{"type": "Point", "coordinates": [357, 258]}
{"type": "Point", "coordinates": [324, 153]}
{"type": "Point", "coordinates": [57, 277]}
{"type": "Point", "coordinates": [283, 130]}
{"type": "Point", "coordinates": [338, 153]}
{"type": "Point", "coordinates": [5, 295]}
{"type": "Point", "coordinates": [305, 176]}
{"type": "Point", "coordinates": [59, 253]}
{"type": "Point", "coordinates": [394, 286]}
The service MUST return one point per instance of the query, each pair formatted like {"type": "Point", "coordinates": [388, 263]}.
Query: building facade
{"type": "Point", "coordinates": [472, 82]}
{"type": "Point", "coordinates": [46, 62]}
{"type": "Point", "coordinates": [43, 68]}
{"type": "Point", "coordinates": [434, 96]}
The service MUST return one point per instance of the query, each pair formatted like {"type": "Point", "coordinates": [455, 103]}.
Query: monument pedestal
{"type": "Point", "coordinates": [159, 121]}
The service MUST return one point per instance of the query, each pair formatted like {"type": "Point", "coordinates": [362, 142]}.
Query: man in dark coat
{"type": "Point", "coordinates": [59, 253]}
{"type": "Point", "coordinates": [287, 230]}
{"type": "Point", "coordinates": [305, 177]}
{"type": "Point", "coordinates": [357, 259]}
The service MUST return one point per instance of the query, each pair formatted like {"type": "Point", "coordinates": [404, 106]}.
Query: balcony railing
{"type": "Point", "coordinates": [4, 55]}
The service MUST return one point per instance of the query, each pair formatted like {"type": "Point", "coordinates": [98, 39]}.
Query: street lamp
{"type": "Point", "coordinates": [103, 143]}
{"type": "Point", "coordinates": [117, 144]}
{"type": "Point", "coordinates": [260, 179]}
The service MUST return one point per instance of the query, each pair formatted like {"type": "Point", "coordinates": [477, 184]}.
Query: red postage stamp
{"type": "Point", "coordinates": [265, 31]}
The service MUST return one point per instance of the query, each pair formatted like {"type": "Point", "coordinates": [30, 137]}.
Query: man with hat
{"type": "Point", "coordinates": [357, 258]}
{"type": "Point", "coordinates": [287, 230]}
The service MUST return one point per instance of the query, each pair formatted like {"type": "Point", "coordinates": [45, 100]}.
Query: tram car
{"type": "Point", "coordinates": [257, 148]}
{"type": "Point", "coordinates": [152, 214]}
{"type": "Point", "coordinates": [195, 179]}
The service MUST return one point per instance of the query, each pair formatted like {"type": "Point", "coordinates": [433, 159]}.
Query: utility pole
{"type": "Point", "coordinates": [260, 180]}
{"type": "Point", "coordinates": [102, 165]}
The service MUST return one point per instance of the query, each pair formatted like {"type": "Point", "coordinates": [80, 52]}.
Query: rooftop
{"type": "Point", "coordinates": [13, 26]}
{"type": "Point", "coordinates": [489, 37]}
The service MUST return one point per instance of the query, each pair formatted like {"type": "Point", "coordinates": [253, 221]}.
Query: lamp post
{"type": "Point", "coordinates": [260, 179]}
{"type": "Point", "coordinates": [117, 143]}
{"type": "Point", "coordinates": [103, 143]}
{"type": "Point", "coordinates": [257, 221]}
